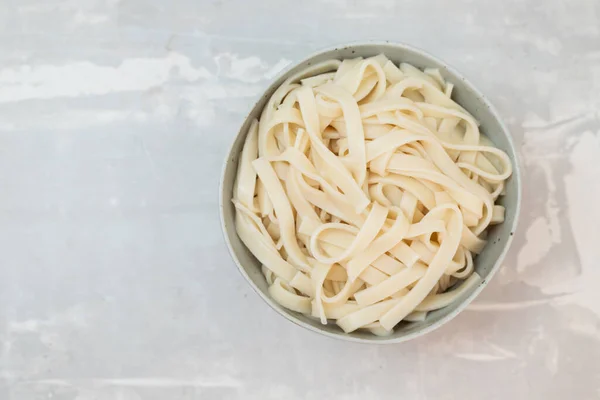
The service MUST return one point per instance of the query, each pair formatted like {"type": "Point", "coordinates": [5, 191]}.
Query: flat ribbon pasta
{"type": "Point", "coordinates": [365, 192]}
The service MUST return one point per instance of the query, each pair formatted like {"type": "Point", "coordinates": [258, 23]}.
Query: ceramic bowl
{"type": "Point", "coordinates": [499, 236]}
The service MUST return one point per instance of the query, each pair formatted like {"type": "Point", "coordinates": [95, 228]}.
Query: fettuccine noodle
{"type": "Point", "coordinates": [365, 192]}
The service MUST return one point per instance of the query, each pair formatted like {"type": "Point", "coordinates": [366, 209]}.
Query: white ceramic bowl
{"type": "Point", "coordinates": [499, 237]}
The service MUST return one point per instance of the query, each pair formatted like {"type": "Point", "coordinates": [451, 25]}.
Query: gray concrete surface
{"type": "Point", "coordinates": [115, 282]}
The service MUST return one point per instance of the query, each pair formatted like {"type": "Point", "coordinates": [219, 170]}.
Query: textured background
{"type": "Point", "coordinates": [115, 282]}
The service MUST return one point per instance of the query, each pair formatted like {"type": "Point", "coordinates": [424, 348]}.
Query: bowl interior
{"type": "Point", "coordinates": [499, 236]}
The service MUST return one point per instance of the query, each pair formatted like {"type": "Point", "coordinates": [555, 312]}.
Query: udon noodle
{"type": "Point", "coordinates": [365, 192]}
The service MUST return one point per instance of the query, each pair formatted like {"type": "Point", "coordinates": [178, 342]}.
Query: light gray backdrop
{"type": "Point", "coordinates": [115, 283]}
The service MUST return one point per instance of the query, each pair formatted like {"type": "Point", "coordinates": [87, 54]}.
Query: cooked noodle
{"type": "Point", "coordinates": [365, 192]}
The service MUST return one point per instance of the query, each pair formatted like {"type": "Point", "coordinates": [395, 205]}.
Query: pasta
{"type": "Point", "coordinates": [365, 192]}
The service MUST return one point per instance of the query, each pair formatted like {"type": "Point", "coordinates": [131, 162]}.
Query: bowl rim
{"type": "Point", "coordinates": [460, 307]}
